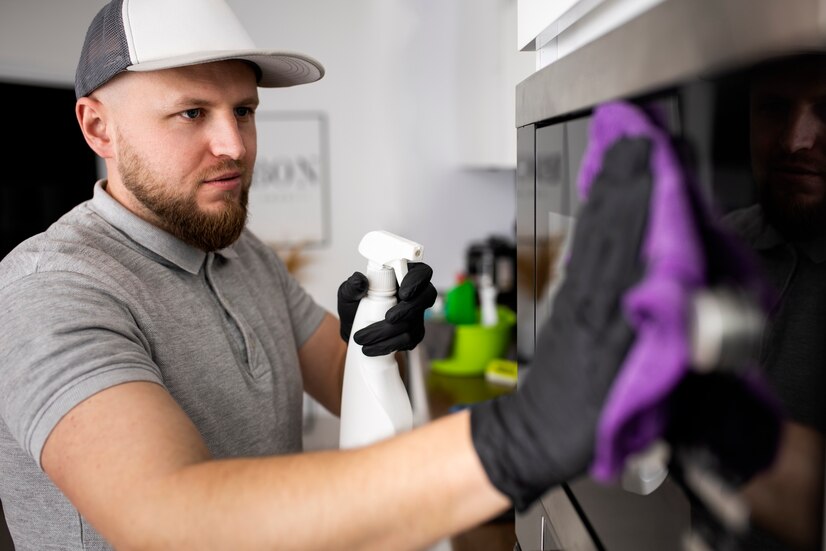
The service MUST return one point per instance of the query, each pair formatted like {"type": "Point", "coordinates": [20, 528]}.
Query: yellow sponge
{"type": "Point", "coordinates": [501, 372]}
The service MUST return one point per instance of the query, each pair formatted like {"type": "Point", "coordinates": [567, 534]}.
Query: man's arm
{"type": "Point", "coordinates": [322, 364]}
{"type": "Point", "coordinates": [133, 463]}
{"type": "Point", "coordinates": [787, 500]}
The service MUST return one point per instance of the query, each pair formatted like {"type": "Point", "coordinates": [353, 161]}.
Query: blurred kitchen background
{"type": "Point", "coordinates": [414, 121]}
{"type": "Point", "coordinates": [418, 100]}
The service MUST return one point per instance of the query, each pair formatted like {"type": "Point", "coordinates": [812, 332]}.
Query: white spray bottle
{"type": "Point", "coordinates": [374, 401]}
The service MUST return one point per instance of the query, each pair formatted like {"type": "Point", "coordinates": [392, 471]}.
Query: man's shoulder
{"type": "Point", "coordinates": [76, 238]}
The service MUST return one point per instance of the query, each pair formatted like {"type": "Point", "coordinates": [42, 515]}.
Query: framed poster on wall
{"type": "Point", "coordinates": [289, 197]}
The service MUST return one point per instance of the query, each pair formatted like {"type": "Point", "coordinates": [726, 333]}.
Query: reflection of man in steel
{"type": "Point", "coordinates": [788, 144]}
{"type": "Point", "coordinates": [787, 228]}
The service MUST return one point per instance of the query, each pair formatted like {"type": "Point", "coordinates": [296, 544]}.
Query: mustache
{"type": "Point", "coordinates": [802, 163]}
{"type": "Point", "coordinates": [222, 167]}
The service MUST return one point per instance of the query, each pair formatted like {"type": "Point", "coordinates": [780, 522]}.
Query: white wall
{"type": "Point", "coordinates": [40, 40]}
{"type": "Point", "coordinates": [390, 94]}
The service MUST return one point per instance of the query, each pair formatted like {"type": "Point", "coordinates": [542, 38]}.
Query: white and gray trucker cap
{"type": "Point", "coordinates": [147, 35]}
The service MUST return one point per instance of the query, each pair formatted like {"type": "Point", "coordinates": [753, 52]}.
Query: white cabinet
{"type": "Point", "coordinates": [490, 66]}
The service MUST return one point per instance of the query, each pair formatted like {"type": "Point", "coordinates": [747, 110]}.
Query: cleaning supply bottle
{"type": "Point", "coordinates": [460, 304]}
{"type": "Point", "coordinates": [374, 401]}
{"type": "Point", "coordinates": [489, 316]}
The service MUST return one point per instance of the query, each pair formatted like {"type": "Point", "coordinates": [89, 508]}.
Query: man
{"type": "Point", "coordinates": [787, 228]}
{"type": "Point", "coordinates": [155, 352]}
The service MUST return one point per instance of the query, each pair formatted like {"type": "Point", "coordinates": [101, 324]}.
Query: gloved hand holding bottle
{"type": "Point", "coordinates": [403, 327]}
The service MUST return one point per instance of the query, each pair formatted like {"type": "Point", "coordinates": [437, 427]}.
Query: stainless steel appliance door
{"type": "Point", "coordinates": [583, 514]}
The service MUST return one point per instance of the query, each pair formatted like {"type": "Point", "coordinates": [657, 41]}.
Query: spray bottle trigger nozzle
{"type": "Point", "coordinates": [390, 251]}
{"type": "Point", "coordinates": [399, 268]}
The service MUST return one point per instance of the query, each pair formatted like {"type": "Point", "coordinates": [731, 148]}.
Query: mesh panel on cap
{"type": "Point", "coordinates": [105, 51]}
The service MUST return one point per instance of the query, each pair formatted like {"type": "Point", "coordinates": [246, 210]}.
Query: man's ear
{"type": "Point", "coordinates": [94, 123]}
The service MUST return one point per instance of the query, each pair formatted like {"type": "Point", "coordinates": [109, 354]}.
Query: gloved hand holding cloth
{"type": "Point", "coordinates": [544, 433]}
{"type": "Point", "coordinates": [616, 346]}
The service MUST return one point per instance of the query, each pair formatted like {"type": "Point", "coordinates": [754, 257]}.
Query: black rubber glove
{"type": "Point", "coordinates": [403, 325]}
{"type": "Point", "coordinates": [732, 426]}
{"type": "Point", "coordinates": [350, 293]}
{"type": "Point", "coordinates": [544, 433]}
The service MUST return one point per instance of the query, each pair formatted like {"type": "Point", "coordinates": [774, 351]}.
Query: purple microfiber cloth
{"type": "Point", "coordinates": [683, 251]}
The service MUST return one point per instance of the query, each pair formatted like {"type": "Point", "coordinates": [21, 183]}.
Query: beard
{"type": "Point", "coordinates": [794, 217]}
{"type": "Point", "coordinates": [178, 213]}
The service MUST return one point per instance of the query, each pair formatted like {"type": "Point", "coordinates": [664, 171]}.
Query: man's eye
{"type": "Point", "coordinates": [773, 106]}
{"type": "Point", "coordinates": [243, 111]}
{"type": "Point", "coordinates": [191, 113]}
{"type": "Point", "coordinates": [820, 110]}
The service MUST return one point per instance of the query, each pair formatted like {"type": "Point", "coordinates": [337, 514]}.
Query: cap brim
{"type": "Point", "coordinates": [278, 69]}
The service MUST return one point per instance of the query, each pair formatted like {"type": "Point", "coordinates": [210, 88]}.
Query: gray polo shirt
{"type": "Point", "coordinates": [103, 298]}
{"type": "Point", "coordinates": [794, 350]}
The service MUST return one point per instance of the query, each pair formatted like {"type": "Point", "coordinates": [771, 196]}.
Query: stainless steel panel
{"type": "Point", "coordinates": [673, 42]}
{"type": "Point", "coordinates": [525, 242]}
{"type": "Point", "coordinates": [692, 49]}
{"type": "Point", "coordinates": [554, 220]}
{"type": "Point", "coordinates": [568, 529]}
{"type": "Point", "coordinates": [624, 521]}
{"type": "Point", "coordinates": [552, 523]}
{"type": "Point", "coordinates": [576, 138]}
{"type": "Point", "coordinates": [588, 515]}
{"type": "Point", "coordinates": [529, 528]}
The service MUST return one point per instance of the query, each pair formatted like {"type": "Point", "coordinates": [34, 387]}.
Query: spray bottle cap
{"type": "Point", "coordinates": [386, 250]}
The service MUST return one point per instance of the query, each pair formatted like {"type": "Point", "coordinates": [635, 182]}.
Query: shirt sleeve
{"type": "Point", "coordinates": [64, 338]}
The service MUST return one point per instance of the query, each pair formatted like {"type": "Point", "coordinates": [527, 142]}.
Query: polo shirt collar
{"type": "Point", "coordinates": [768, 237]}
{"type": "Point", "coordinates": [147, 235]}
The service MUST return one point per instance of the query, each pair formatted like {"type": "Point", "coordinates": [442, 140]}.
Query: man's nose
{"type": "Point", "coordinates": [226, 138]}
{"type": "Point", "coordinates": [802, 131]}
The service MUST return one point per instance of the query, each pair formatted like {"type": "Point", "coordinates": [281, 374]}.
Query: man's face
{"type": "Point", "coordinates": [186, 147]}
{"type": "Point", "coordinates": [788, 144]}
